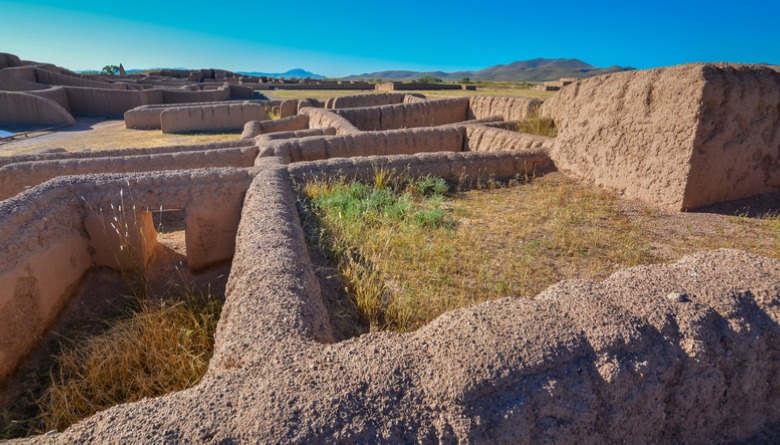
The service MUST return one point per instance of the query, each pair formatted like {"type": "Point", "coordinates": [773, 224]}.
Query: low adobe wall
{"type": "Point", "coordinates": [288, 107]}
{"type": "Point", "coordinates": [49, 77]}
{"type": "Point", "coordinates": [366, 100]}
{"type": "Point", "coordinates": [481, 138]}
{"type": "Point", "coordinates": [21, 78]}
{"type": "Point", "coordinates": [61, 220]}
{"type": "Point", "coordinates": [57, 94]}
{"type": "Point", "coordinates": [509, 107]}
{"type": "Point", "coordinates": [9, 61]}
{"type": "Point", "coordinates": [364, 144]}
{"type": "Point", "coordinates": [19, 176]}
{"type": "Point", "coordinates": [321, 118]}
{"type": "Point", "coordinates": [680, 137]}
{"type": "Point", "coordinates": [225, 117]}
{"type": "Point", "coordinates": [293, 123]}
{"type": "Point", "coordinates": [393, 117]}
{"type": "Point", "coordinates": [452, 166]}
{"type": "Point", "coordinates": [122, 152]}
{"type": "Point", "coordinates": [179, 96]}
{"type": "Point", "coordinates": [147, 117]}
{"type": "Point", "coordinates": [400, 86]}
{"type": "Point", "coordinates": [24, 108]}
{"type": "Point", "coordinates": [102, 102]}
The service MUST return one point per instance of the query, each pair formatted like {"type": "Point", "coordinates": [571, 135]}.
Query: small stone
{"type": "Point", "coordinates": [677, 297]}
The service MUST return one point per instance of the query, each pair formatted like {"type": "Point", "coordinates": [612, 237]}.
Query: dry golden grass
{"type": "Point", "coordinates": [160, 347]}
{"type": "Point", "coordinates": [514, 241]}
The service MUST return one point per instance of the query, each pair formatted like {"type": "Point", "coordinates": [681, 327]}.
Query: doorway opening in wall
{"type": "Point", "coordinates": [117, 341]}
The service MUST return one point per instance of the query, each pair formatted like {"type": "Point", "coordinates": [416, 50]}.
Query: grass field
{"type": "Point", "coordinates": [408, 256]}
{"type": "Point", "coordinates": [490, 89]}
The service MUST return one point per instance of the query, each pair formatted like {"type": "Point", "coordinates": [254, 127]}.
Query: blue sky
{"type": "Point", "coordinates": [341, 38]}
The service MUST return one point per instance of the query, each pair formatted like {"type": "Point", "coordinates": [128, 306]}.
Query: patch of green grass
{"type": "Point", "coordinates": [410, 256]}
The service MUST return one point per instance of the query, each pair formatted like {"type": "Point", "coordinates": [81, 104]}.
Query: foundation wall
{"type": "Point", "coordinates": [101, 102]}
{"type": "Point", "coordinates": [24, 108]}
{"type": "Point", "coordinates": [17, 177]}
{"type": "Point", "coordinates": [293, 123]}
{"type": "Point", "coordinates": [177, 96]}
{"type": "Point", "coordinates": [367, 100]}
{"type": "Point", "coordinates": [210, 117]}
{"type": "Point", "coordinates": [393, 117]}
{"type": "Point", "coordinates": [510, 108]}
{"type": "Point", "coordinates": [123, 152]}
{"type": "Point", "coordinates": [365, 144]}
{"type": "Point", "coordinates": [481, 138]}
{"type": "Point", "coordinates": [457, 166]}
{"type": "Point", "coordinates": [147, 117]}
{"type": "Point", "coordinates": [51, 78]}
{"type": "Point", "coordinates": [320, 118]}
{"type": "Point", "coordinates": [55, 94]}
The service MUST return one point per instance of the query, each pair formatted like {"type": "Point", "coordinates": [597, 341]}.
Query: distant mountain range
{"type": "Point", "coordinates": [298, 73]}
{"type": "Point", "coordinates": [536, 70]}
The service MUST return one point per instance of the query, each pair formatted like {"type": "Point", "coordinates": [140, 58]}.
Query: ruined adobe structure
{"type": "Point", "coordinates": [679, 353]}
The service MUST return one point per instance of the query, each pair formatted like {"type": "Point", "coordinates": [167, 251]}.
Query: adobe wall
{"type": "Point", "coordinates": [61, 219]}
{"type": "Point", "coordinates": [481, 138]}
{"type": "Point", "coordinates": [57, 94]}
{"type": "Point", "coordinates": [147, 117]}
{"type": "Point", "coordinates": [321, 118]}
{"type": "Point", "coordinates": [19, 176]}
{"type": "Point", "coordinates": [263, 138]}
{"type": "Point", "coordinates": [24, 108]}
{"type": "Point", "coordinates": [680, 137]}
{"type": "Point", "coordinates": [225, 117]}
{"type": "Point", "coordinates": [288, 107]}
{"type": "Point", "coordinates": [393, 117]}
{"type": "Point", "coordinates": [48, 77]}
{"type": "Point", "coordinates": [366, 100]}
{"type": "Point", "coordinates": [509, 107]}
{"type": "Point", "coordinates": [122, 152]}
{"type": "Point", "coordinates": [397, 142]}
{"type": "Point", "coordinates": [19, 79]}
{"type": "Point", "coordinates": [9, 61]}
{"type": "Point", "coordinates": [452, 166]}
{"type": "Point", "coordinates": [102, 102]}
{"type": "Point", "coordinates": [292, 123]}
{"type": "Point", "coordinates": [178, 96]}
{"type": "Point", "coordinates": [400, 86]}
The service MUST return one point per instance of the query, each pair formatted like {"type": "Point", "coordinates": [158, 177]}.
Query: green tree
{"type": "Point", "coordinates": [429, 79]}
{"type": "Point", "coordinates": [111, 70]}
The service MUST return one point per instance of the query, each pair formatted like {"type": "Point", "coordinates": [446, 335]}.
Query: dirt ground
{"type": "Point", "coordinates": [97, 134]}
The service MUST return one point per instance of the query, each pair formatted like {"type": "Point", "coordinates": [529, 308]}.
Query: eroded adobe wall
{"type": "Point", "coordinates": [24, 108]}
{"type": "Point", "coordinates": [680, 137]}
{"type": "Point", "coordinates": [122, 152]}
{"type": "Point", "coordinates": [176, 96]}
{"type": "Point", "coordinates": [147, 117]}
{"type": "Point", "coordinates": [393, 117]}
{"type": "Point", "coordinates": [19, 176]}
{"type": "Point", "coordinates": [736, 150]}
{"type": "Point", "coordinates": [20, 78]}
{"type": "Point", "coordinates": [631, 131]}
{"type": "Point", "coordinates": [366, 100]}
{"type": "Point", "coordinates": [49, 77]}
{"type": "Point", "coordinates": [292, 123]}
{"type": "Point", "coordinates": [452, 166]}
{"type": "Point", "coordinates": [511, 108]}
{"type": "Point", "coordinates": [102, 102]}
{"type": "Point", "coordinates": [223, 117]}
{"type": "Point", "coordinates": [481, 138]}
{"type": "Point", "coordinates": [420, 140]}
{"type": "Point", "coordinates": [36, 228]}
{"type": "Point", "coordinates": [320, 118]}
{"type": "Point", "coordinates": [9, 61]}
{"type": "Point", "coordinates": [56, 94]}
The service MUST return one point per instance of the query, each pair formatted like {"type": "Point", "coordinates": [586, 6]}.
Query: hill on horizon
{"type": "Point", "coordinates": [535, 70]}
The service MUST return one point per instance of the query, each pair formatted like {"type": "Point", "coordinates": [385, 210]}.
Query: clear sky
{"type": "Point", "coordinates": [341, 38]}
